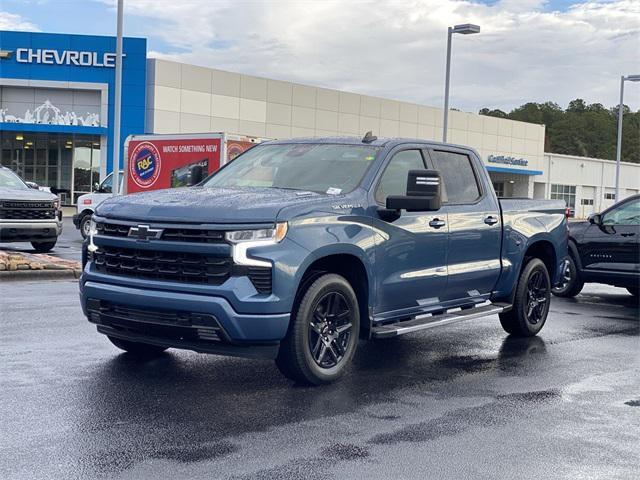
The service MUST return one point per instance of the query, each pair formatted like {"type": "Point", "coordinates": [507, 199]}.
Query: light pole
{"type": "Point", "coordinates": [115, 189]}
{"type": "Point", "coordinates": [465, 29]}
{"type": "Point", "coordinates": [629, 78]}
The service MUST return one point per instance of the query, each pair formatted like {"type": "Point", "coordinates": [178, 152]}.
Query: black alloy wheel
{"type": "Point", "coordinates": [331, 329]}
{"type": "Point", "coordinates": [537, 296]}
{"type": "Point", "coordinates": [323, 332]}
{"type": "Point", "coordinates": [530, 308]}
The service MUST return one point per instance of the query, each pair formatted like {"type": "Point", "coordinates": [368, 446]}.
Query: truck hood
{"type": "Point", "coordinates": [25, 194]}
{"type": "Point", "coordinates": [207, 205]}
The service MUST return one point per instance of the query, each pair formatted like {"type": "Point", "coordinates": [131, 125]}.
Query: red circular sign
{"type": "Point", "coordinates": [145, 164]}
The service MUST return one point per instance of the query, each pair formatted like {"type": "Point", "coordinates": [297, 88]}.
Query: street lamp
{"type": "Point", "coordinates": [115, 189]}
{"type": "Point", "coordinates": [629, 78]}
{"type": "Point", "coordinates": [464, 29]}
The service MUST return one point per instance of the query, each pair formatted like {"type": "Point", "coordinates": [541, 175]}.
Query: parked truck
{"type": "Point", "coordinates": [28, 214]}
{"type": "Point", "coordinates": [164, 161]}
{"type": "Point", "coordinates": [298, 248]}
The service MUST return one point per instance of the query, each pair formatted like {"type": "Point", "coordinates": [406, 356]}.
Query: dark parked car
{"type": "Point", "coordinates": [605, 249]}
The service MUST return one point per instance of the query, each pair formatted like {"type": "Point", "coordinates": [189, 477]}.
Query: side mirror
{"type": "Point", "coordinates": [423, 193]}
{"type": "Point", "coordinates": [595, 219]}
{"type": "Point", "coordinates": [196, 175]}
{"type": "Point", "coordinates": [33, 185]}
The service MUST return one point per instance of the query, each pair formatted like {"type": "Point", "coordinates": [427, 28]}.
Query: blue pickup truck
{"type": "Point", "coordinates": [299, 248]}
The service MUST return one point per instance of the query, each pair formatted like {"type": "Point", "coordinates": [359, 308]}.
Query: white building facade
{"type": "Point", "coordinates": [184, 98]}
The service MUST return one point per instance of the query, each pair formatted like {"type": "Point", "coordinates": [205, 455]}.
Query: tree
{"type": "Point", "coordinates": [582, 129]}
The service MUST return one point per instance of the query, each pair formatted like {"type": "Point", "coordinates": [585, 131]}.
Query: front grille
{"type": "Point", "coordinates": [192, 235]}
{"type": "Point", "coordinates": [167, 324]}
{"type": "Point", "coordinates": [25, 210]}
{"type": "Point", "coordinates": [159, 265]}
{"type": "Point", "coordinates": [261, 278]}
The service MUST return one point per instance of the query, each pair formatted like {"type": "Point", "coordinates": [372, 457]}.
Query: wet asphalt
{"type": "Point", "coordinates": [464, 401]}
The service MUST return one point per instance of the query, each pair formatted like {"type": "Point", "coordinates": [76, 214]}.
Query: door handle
{"type": "Point", "coordinates": [437, 223]}
{"type": "Point", "coordinates": [630, 234]}
{"type": "Point", "coordinates": [491, 220]}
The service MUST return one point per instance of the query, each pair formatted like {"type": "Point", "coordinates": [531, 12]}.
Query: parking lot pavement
{"type": "Point", "coordinates": [68, 247]}
{"type": "Point", "coordinates": [464, 401]}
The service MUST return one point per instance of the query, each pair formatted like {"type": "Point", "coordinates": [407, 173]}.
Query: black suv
{"type": "Point", "coordinates": [605, 249]}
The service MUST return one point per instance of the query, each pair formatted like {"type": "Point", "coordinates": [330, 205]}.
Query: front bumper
{"type": "Point", "coordinates": [25, 231]}
{"type": "Point", "coordinates": [189, 321]}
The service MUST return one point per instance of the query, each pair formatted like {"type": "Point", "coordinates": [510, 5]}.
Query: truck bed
{"type": "Point", "coordinates": [510, 205]}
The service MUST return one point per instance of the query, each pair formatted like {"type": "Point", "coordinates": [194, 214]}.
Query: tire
{"type": "Point", "coordinates": [572, 283]}
{"type": "Point", "coordinates": [635, 291]}
{"type": "Point", "coordinates": [323, 333]}
{"type": "Point", "coordinates": [531, 304]}
{"type": "Point", "coordinates": [142, 350]}
{"type": "Point", "coordinates": [43, 247]}
{"type": "Point", "coordinates": [85, 221]}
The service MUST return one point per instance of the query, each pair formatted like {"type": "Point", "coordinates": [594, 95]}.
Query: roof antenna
{"type": "Point", "coordinates": [369, 137]}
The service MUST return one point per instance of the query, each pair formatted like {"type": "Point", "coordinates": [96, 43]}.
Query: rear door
{"type": "Point", "coordinates": [614, 245]}
{"type": "Point", "coordinates": [474, 227]}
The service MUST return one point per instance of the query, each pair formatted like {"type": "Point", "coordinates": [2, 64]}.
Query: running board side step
{"type": "Point", "coordinates": [430, 321]}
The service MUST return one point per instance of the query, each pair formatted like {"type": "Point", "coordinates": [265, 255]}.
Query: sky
{"type": "Point", "coordinates": [528, 50]}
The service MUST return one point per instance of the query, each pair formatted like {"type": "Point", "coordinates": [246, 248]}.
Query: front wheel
{"type": "Point", "coordinates": [142, 350]}
{"type": "Point", "coordinates": [323, 334]}
{"type": "Point", "coordinates": [85, 225]}
{"type": "Point", "coordinates": [531, 304]}
{"type": "Point", "coordinates": [43, 247]}
{"type": "Point", "coordinates": [571, 283]}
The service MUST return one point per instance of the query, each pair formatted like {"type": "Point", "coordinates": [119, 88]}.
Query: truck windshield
{"type": "Point", "coordinates": [321, 168]}
{"type": "Point", "coordinates": [9, 179]}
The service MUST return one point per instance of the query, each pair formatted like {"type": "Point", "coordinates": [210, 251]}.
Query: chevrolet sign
{"type": "Point", "coordinates": [64, 57]}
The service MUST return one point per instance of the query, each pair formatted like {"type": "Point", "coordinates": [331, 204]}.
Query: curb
{"type": "Point", "coordinates": [40, 274]}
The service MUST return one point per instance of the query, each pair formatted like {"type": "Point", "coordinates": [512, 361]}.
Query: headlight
{"type": "Point", "coordinates": [243, 240]}
{"type": "Point", "coordinates": [56, 203]}
{"type": "Point", "coordinates": [276, 234]}
{"type": "Point", "coordinates": [93, 228]}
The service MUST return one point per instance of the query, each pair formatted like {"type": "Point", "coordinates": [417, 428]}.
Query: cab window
{"type": "Point", "coordinates": [626, 214]}
{"type": "Point", "coordinates": [458, 178]}
{"type": "Point", "coordinates": [394, 178]}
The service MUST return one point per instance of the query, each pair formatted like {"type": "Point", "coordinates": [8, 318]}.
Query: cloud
{"type": "Point", "coordinates": [11, 21]}
{"type": "Point", "coordinates": [527, 50]}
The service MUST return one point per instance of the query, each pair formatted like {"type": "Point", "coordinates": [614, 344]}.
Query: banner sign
{"type": "Point", "coordinates": [155, 164]}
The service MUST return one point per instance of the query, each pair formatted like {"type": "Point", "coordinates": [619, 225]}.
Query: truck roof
{"type": "Point", "coordinates": [347, 140]}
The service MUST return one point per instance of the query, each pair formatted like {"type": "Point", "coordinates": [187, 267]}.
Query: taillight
{"type": "Point", "coordinates": [567, 212]}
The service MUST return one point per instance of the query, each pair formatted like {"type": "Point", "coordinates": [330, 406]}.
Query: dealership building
{"type": "Point", "coordinates": [57, 108]}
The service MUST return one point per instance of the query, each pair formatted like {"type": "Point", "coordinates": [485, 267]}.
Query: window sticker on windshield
{"type": "Point", "coordinates": [369, 157]}
{"type": "Point", "coordinates": [334, 191]}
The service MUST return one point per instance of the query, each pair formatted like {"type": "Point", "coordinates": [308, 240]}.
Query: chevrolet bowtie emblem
{"type": "Point", "coordinates": [143, 233]}
{"type": "Point", "coordinates": [5, 53]}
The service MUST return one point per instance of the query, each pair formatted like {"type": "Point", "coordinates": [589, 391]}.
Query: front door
{"type": "Point", "coordinates": [411, 251]}
{"type": "Point", "coordinates": [475, 229]}
{"type": "Point", "coordinates": [614, 245]}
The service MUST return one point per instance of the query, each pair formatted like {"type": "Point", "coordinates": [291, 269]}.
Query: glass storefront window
{"type": "Point", "coordinates": [68, 164]}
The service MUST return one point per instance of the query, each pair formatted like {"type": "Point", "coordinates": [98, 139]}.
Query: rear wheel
{"type": "Point", "coordinates": [43, 247]}
{"type": "Point", "coordinates": [323, 334]}
{"type": "Point", "coordinates": [531, 304]}
{"type": "Point", "coordinates": [571, 283]}
{"type": "Point", "coordinates": [142, 350]}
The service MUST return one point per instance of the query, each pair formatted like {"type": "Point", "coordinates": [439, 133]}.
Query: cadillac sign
{"type": "Point", "coordinates": [519, 162]}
